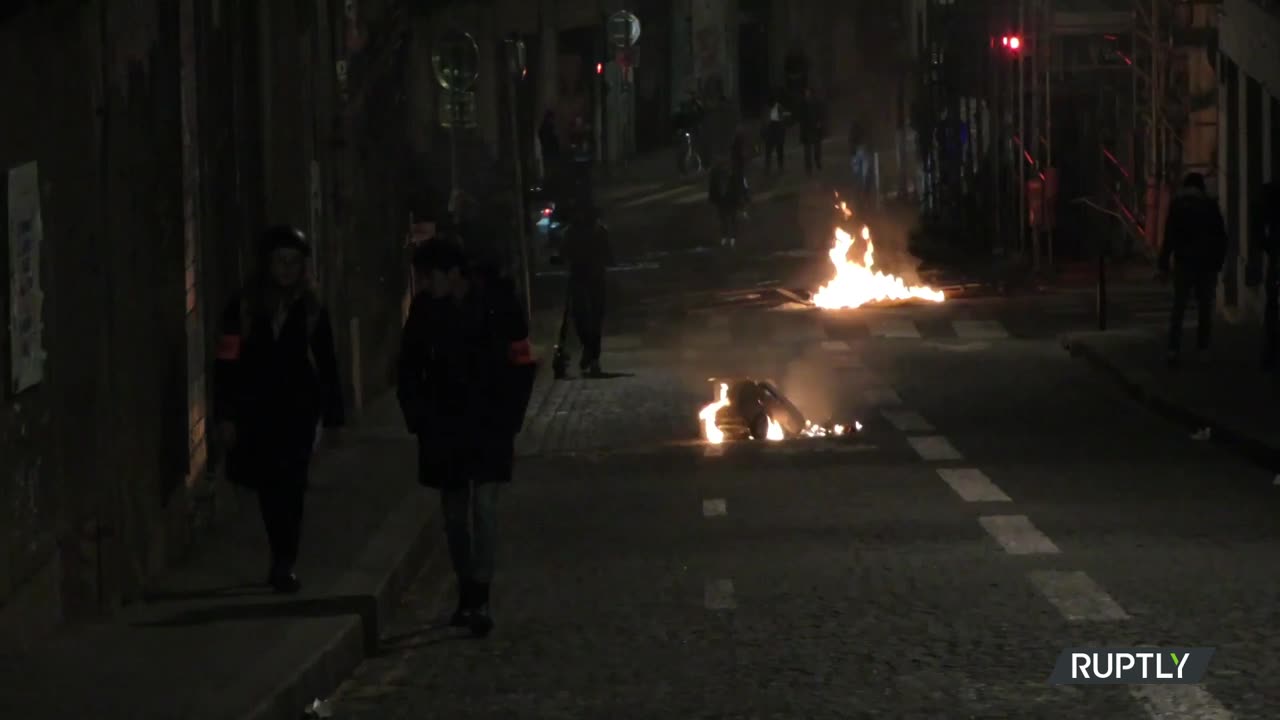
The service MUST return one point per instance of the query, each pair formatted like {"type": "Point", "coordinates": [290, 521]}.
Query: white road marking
{"type": "Point", "coordinates": [934, 448]}
{"type": "Point", "coordinates": [979, 329]}
{"type": "Point", "coordinates": [894, 328]}
{"type": "Point", "coordinates": [1017, 535]}
{"type": "Point", "coordinates": [718, 595]}
{"type": "Point", "coordinates": [907, 420]}
{"type": "Point", "coordinates": [835, 346]}
{"type": "Point", "coordinates": [1077, 596]}
{"type": "Point", "coordinates": [1175, 702]}
{"type": "Point", "coordinates": [881, 396]}
{"type": "Point", "coordinates": [972, 485]}
{"type": "Point", "coordinates": [714, 507]}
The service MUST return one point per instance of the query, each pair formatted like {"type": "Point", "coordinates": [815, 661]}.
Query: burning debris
{"type": "Point", "coordinates": [856, 284]}
{"type": "Point", "coordinates": [747, 409]}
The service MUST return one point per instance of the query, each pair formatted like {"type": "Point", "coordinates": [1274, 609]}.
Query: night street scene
{"type": "Point", "coordinates": [659, 359]}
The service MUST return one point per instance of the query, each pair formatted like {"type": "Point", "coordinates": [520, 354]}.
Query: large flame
{"type": "Point", "coordinates": [775, 431]}
{"type": "Point", "coordinates": [856, 284]}
{"type": "Point", "coordinates": [707, 415]}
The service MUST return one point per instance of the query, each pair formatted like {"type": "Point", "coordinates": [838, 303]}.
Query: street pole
{"type": "Point", "coordinates": [1036, 37]}
{"type": "Point", "coordinates": [455, 114]}
{"type": "Point", "coordinates": [1048, 132]}
{"type": "Point", "coordinates": [521, 255]}
{"type": "Point", "coordinates": [1022, 133]}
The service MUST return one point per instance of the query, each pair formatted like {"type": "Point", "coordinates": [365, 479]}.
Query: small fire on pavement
{"type": "Point", "coordinates": [749, 409]}
{"type": "Point", "coordinates": [857, 283]}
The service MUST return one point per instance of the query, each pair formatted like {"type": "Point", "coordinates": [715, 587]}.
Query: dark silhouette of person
{"type": "Point", "coordinates": [1195, 239]}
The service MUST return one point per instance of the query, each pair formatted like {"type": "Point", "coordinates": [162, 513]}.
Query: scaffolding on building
{"type": "Point", "coordinates": [1148, 73]}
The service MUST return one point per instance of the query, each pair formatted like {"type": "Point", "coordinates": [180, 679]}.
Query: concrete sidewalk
{"type": "Point", "coordinates": [211, 643]}
{"type": "Point", "coordinates": [1229, 394]}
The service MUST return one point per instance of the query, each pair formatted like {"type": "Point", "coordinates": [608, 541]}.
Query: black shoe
{"type": "Point", "coordinates": [481, 621]}
{"type": "Point", "coordinates": [593, 370]}
{"type": "Point", "coordinates": [466, 606]}
{"type": "Point", "coordinates": [286, 583]}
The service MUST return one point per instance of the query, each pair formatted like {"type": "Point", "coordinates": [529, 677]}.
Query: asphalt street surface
{"type": "Point", "coordinates": [1001, 504]}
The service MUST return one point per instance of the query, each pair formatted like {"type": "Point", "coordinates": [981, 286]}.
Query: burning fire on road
{"type": "Point", "coordinates": [747, 409]}
{"type": "Point", "coordinates": [857, 283]}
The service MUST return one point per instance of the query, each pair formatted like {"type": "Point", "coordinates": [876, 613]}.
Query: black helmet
{"type": "Point", "coordinates": [277, 237]}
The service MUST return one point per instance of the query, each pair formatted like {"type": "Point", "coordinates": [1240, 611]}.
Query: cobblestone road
{"type": "Point", "coordinates": [1001, 505]}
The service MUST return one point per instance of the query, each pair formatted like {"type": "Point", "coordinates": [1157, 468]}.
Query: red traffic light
{"type": "Point", "coordinates": [599, 68]}
{"type": "Point", "coordinates": [1005, 41]}
{"type": "Point", "coordinates": [1015, 42]}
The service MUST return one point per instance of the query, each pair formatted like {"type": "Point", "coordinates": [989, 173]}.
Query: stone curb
{"type": "Point", "coordinates": [410, 537]}
{"type": "Point", "coordinates": [1260, 452]}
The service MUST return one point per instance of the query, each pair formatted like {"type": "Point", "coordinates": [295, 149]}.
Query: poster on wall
{"type": "Point", "coordinates": [26, 301]}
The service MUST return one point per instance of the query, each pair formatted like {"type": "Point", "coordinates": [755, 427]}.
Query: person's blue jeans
{"type": "Point", "coordinates": [470, 526]}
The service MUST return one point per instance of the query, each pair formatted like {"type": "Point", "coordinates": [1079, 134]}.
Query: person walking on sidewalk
{"type": "Point", "coordinates": [1267, 228]}
{"type": "Point", "coordinates": [589, 255]}
{"type": "Point", "coordinates": [466, 372]}
{"type": "Point", "coordinates": [276, 379]}
{"type": "Point", "coordinates": [1195, 239]}
{"type": "Point", "coordinates": [813, 128]}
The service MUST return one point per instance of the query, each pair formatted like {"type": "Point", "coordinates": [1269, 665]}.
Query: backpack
{"type": "Point", "coordinates": [313, 321]}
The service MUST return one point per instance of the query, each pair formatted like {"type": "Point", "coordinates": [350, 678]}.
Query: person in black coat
{"type": "Point", "coordinates": [813, 128]}
{"type": "Point", "coordinates": [1195, 239]}
{"type": "Point", "coordinates": [589, 254]}
{"type": "Point", "coordinates": [466, 372]}
{"type": "Point", "coordinates": [275, 380]}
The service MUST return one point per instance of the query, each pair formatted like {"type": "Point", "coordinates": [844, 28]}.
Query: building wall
{"type": "Point", "coordinates": [1249, 85]}
{"type": "Point", "coordinates": [166, 135]}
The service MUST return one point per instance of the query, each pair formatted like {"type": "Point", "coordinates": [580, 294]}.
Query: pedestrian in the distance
{"type": "Point", "coordinates": [813, 128]}
{"type": "Point", "coordinates": [465, 376]}
{"type": "Point", "coordinates": [1195, 239]}
{"type": "Point", "coordinates": [589, 255]}
{"type": "Point", "coordinates": [775, 134]}
{"type": "Point", "coordinates": [275, 381]}
{"type": "Point", "coordinates": [727, 194]}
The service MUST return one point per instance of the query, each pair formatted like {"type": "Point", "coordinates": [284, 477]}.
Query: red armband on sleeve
{"type": "Point", "coordinates": [520, 352]}
{"type": "Point", "coordinates": [228, 347]}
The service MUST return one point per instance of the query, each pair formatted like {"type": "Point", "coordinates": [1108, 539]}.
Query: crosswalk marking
{"type": "Point", "coordinates": [714, 507]}
{"type": "Point", "coordinates": [894, 328]}
{"type": "Point", "coordinates": [835, 346]}
{"type": "Point", "coordinates": [979, 329]}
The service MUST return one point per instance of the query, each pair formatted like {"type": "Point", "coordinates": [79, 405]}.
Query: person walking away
{"type": "Point", "coordinates": [775, 135]}
{"type": "Point", "coordinates": [275, 380]}
{"type": "Point", "coordinates": [466, 371]}
{"type": "Point", "coordinates": [1195, 239]}
{"type": "Point", "coordinates": [589, 255]}
{"type": "Point", "coordinates": [812, 130]}
{"type": "Point", "coordinates": [726, 195]}
{"type": "Point", "coordinates": [1266, 226]}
